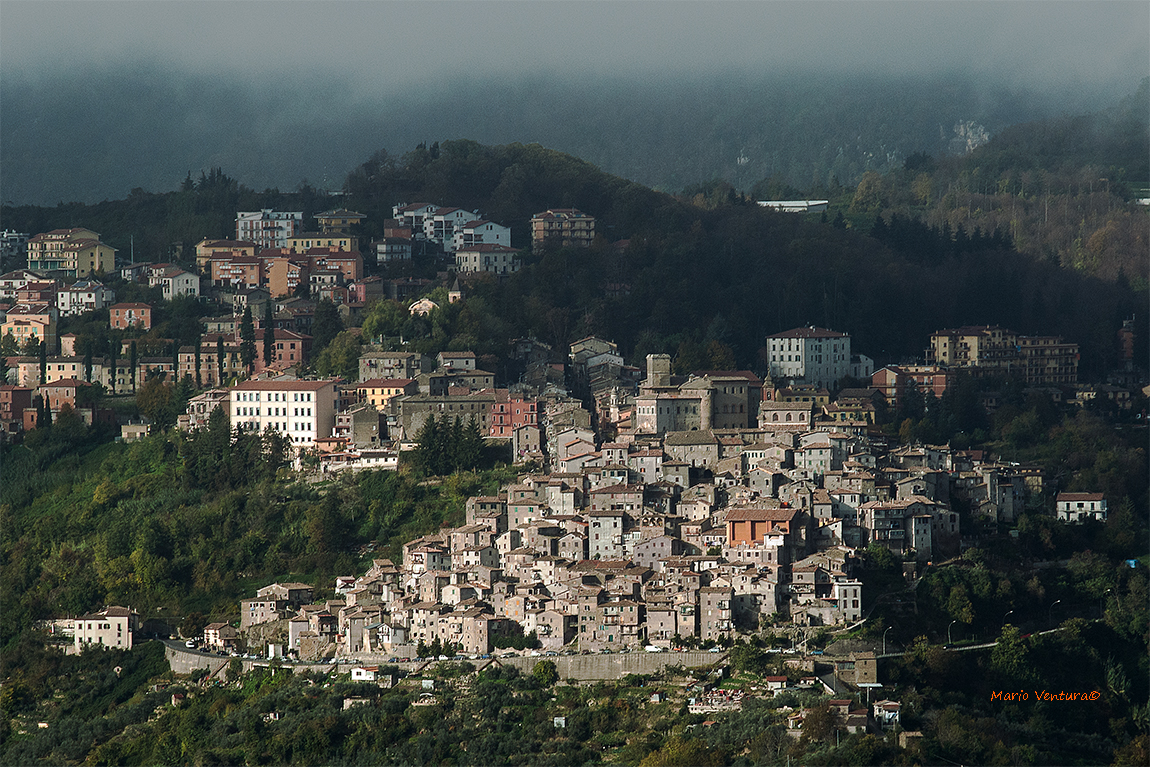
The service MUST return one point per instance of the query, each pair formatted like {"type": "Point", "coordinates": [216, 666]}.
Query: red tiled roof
{"type": "Point", "coordinates": [760, 515]}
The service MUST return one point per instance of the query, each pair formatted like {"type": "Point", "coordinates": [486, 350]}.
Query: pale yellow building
{"type": "Point", "coordinates": [73, 252]}
{"type": "Point", "coordinates": [305, 241]}
{"type": "Point", "coordinates": [377, 392]}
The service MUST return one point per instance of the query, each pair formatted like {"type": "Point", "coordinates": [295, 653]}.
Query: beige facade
{"type": "Point", "coordinates": [990, 349]}
{"type": "Point", "coordinates": [74, 252]}
{"type": "Point", "coordinates": [111, 627]}
{"type": "Point", "coordinates": [22, 328]}
{"type": "Point", "coordinates": [207, 249]}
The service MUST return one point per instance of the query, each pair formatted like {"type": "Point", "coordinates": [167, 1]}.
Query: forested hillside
{"type": "Point", "coordinates": [185, 525]}
{"type": "Point", "coordinates": [1061, 189]}
{"type": "Point", "coordinates": [684, 275]}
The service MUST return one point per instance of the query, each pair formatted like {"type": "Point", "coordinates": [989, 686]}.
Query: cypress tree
{"type": "Point", "coordinates": [88, 365]}
{"type": "Point", "coordinates": [132, 365]}
{"type": "Point", "coordinates": [247, 339]}
{"type": "Point", "coordinates": [269, 334]}
{"type": "Point", "coordinates": [43, 413]}
{"type": "Point", "coordinates": [219, 360]}
{"type": "Point", "coordinates": [43, 363]}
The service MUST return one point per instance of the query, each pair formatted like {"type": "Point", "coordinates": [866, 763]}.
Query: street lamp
{"type": "Point", "coordinates": [950, 640]}
{"type": "Point", "coordinates": [884, 639]}
{"type": "Point", "coordinates": [1050, 612]}
{"type": "Point", "coordinates": [1005, 617]}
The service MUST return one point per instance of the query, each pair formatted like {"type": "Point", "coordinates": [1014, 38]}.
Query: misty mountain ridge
{"type": "Point", "coordinates": [99, 135]}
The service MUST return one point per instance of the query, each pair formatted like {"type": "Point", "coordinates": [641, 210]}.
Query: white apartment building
{"type": "Point", "coordinates": [810, 355]}
{"type": "Point", "coordinates": [413, 215]}
{"type": "Point", "coordinates": [12, 282]}
{"type": "Point", "coordinates": [441, 225]}
{"type": "Point", "coordinates": [83, 296]}
{"type": "Point", "coordinates": [179, 283]}
{"type": "Point", "coordinates": [268, 228]}
{"type": "Point", "coordinates": [111, 627]}
{"type": "Point", "coordinates": [302, 411]}
{"type": "Point", "coordinates": [481, 232]}
{"type": "Point", "coordinates": [1080, 507]}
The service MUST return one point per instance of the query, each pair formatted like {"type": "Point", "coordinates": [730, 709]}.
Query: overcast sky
{"type": "Point", "coordinates": [382, 46]}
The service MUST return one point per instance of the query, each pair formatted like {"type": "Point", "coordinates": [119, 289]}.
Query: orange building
{"type": "Point", "coordinates": [749, 526]}
{"type": "Point", "coordinates": [236, 271]}
{"type": "Point", "coordinates": [124, 316]}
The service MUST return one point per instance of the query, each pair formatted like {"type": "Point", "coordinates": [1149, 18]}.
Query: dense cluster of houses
{"type": "Point", "coordinates": [721, 503]}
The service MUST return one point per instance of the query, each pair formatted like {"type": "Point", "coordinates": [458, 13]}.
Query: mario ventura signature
{"type": "Point", "coordinates": [1022, 695]}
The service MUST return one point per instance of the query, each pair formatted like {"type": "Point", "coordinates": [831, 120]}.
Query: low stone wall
{"type": "Point", "coordinates": [584, 668]}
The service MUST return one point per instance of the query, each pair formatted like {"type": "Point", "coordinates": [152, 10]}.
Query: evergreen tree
{"type": "Point", "coordinates": [469, 452]}
{"type": "Point", "coordinates": [43, 363]}
{"type": "Point", "coordinates": [43, 413]}
{"type": "Point", "coordinates": [454, 443]}
{"type": "Point", "coordinates": [88, 365]}
{"type": "Point", "coordinates": [247, 340]}
{"type": "Point", "coordinates": [326, 326]}
{"type": "Point", "coordinates": [428, 445]}
{"type": "Point", "coordinates": [132, 360]}
{"type": "Point", "coordinates": [276, 448]}
{"type": "Point", "coordinates": [269, 334]}
{"type": "Point", "coordinates": [219, 360]}
{"type": "Point", "coordinates": [31, 347]}
{"type": "Point", "coordinates": [8, 345]}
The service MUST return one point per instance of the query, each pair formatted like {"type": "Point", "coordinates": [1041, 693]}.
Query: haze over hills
{"type": "Point", "coordinates": [102, 98]}
{"type": "Point", "coordinates": [100, 133]}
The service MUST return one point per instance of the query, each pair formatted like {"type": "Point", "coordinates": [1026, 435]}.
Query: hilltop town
{"type": "Point", "coordinates": [649, 505]}
{"type": "Point", "coordinates": [652, 509]}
